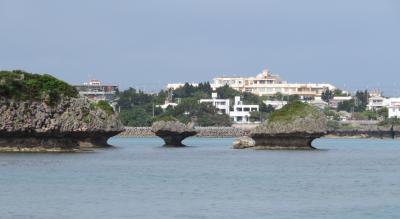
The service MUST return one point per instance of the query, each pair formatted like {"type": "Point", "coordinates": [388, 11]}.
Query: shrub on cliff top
{"type": "Point", "coordinates": [21, 85]}
{"type": "Point", "coordinates": [292, 111]}
{"type": "Point", "coordinates": [294, 117]}
{"type": "Point", "coordinates": [102, 104]}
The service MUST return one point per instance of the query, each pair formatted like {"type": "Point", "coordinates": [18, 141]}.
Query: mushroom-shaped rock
{"type": "Point", "coordinates": [294, 126]}
{"type": "Point", "coordinates": [173, 132]}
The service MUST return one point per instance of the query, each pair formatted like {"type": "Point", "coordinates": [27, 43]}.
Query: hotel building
{"type": "Point", "coordinates": [269, 84]}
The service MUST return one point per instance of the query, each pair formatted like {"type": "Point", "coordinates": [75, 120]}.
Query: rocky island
{"type": "Point", "coordinates": [42, 113]}
{"type": "Point", "coordinates": [294, 126]}
{"type": "Point", "coordinates": [173, 132]}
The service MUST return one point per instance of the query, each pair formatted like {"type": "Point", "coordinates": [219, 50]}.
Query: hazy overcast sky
{"type": "Point", "coordinates": [353, 44]}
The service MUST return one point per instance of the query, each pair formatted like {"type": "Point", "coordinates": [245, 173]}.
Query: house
{"type": "Point", "coordinates": [223, 105]}
{"type": "Point", "coordinates": [339, 99]}
{"type": "Point", "coordinates": [241, 112]}
{"type": "Point", "coordinates": [394, 108]}
{"type": "Point", "coordinates": [276, 104]}
{"type": "Point", "coordinates": [377, 102]}
{"type": "Point", "coordinates": [167, 104]}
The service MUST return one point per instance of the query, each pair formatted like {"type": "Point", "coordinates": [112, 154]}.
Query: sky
{"type": "Point", "coordinates": [353, 44]}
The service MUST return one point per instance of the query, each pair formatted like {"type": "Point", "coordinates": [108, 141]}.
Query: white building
{"type": "Point", "coordinates": [394, 108]}
{"type": "Point", "coordinates": [266, 83]}
{"type": "Point", "coordinates": [223, 105]}
{"type": "Point", "coordinates": [167, 104]}
{"type": "Point", "coordinates": [175, 86]}
{"type": "Point", "coordinates": [377, 102]}
{"type": "Point", "coordinates": [96, 91]}
{"type": "Point", "coordinates": [276, 104]}
{"type": "Point", "coordinates": [336, 100]}
{"type": "Point", "coordinates": [241, 112]}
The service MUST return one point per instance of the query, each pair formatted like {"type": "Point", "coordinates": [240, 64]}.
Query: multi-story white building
{"type": "Point", "coordinates": [241, 112]}
{"type": "Point", "coordinates": [95, 91]}
{"type": "Point", "coordinates": [377, 102]}
{"type": "Point", "coordinates": [266, 83]}
{"type": "Point", "coordinates": [394, 108]}
{"type": "Point", "coordinates": [223, 105]}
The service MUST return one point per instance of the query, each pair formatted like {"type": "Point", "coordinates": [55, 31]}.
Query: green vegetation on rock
{"type": "Point", "coordinates": [292, 111]}
{"type": "Point", "coordinates": [295, 117]}
{"type": "Point", "coordinates": [103, 105]}
{"type": "Point", "coordinates": [21, 85]}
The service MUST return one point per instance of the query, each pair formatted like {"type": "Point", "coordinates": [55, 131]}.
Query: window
{"type": "Point", "coordinates": [239, 109]}
{"type": "Point", "coordinates": [246, 109]}
{"type": "Point", "coordinates": [253, 109]}
{"type": "Point", "coordinates": [239, 118]}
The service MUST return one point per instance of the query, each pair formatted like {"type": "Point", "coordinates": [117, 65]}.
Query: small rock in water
{"type": "Point", "coordinates": [243, 142]}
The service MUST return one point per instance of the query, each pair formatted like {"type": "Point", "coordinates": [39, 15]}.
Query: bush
{"type": "Point", "coordinates": [102, 104]}
{"type": "Point", "coordinates": [291, 111]}
{"type": "Point", "coordinates": [21, 85]}
{"type": "Point", "coordinates": [165, 118]}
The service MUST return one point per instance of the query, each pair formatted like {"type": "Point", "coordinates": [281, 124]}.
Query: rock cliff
{"type": "Point", "coordinates": [71, 124]}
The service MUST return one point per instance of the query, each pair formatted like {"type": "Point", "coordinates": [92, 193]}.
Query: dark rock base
{"type": "Point", "coordinates": [173, 139]}
{"type": "Point", "coordinates": [66, 142]}
{"type": "Point", "coordinates": [298, 141]}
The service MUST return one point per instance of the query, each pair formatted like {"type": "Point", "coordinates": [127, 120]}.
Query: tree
{"type": "Point", "coordinates": [361, 101]}
{"type": "Point", "coordinates": [339, 93]}
{"type": "Point", "coordinates": [250, 98]}
{"type": "Point", "coordinates": [227, 92]}
{"type": "Point", "coordinates": [327, 95]}
{"type": "Point", "coordinates": [131, 97]}
{"type": "Point", "coordinates": [383, 113]}
{"type": "Point", "coordinates": [292, 98]}
{"type": "Point", "coordinates": [136, 116]}
{"type": "Point", "coordinates": [347, 105]}
{"type": "Point", "coordinates": [266, 108]}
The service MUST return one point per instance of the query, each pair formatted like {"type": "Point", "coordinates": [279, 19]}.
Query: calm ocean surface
{"type": "Point", "coordinates": [349, 178]}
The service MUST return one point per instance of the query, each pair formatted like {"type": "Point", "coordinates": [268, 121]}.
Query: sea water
{"type": "Point", "coordinates": [347, 178]}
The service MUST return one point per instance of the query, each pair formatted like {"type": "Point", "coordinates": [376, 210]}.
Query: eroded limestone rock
{"type": "Point", "coordinates": [173, 132]}
{"type": "Point", "coordinates": [243, 142]}
{"type": "Point", "coordinates": [71, 124]}
{"type": "Point", "coordinates": [295, 126]}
